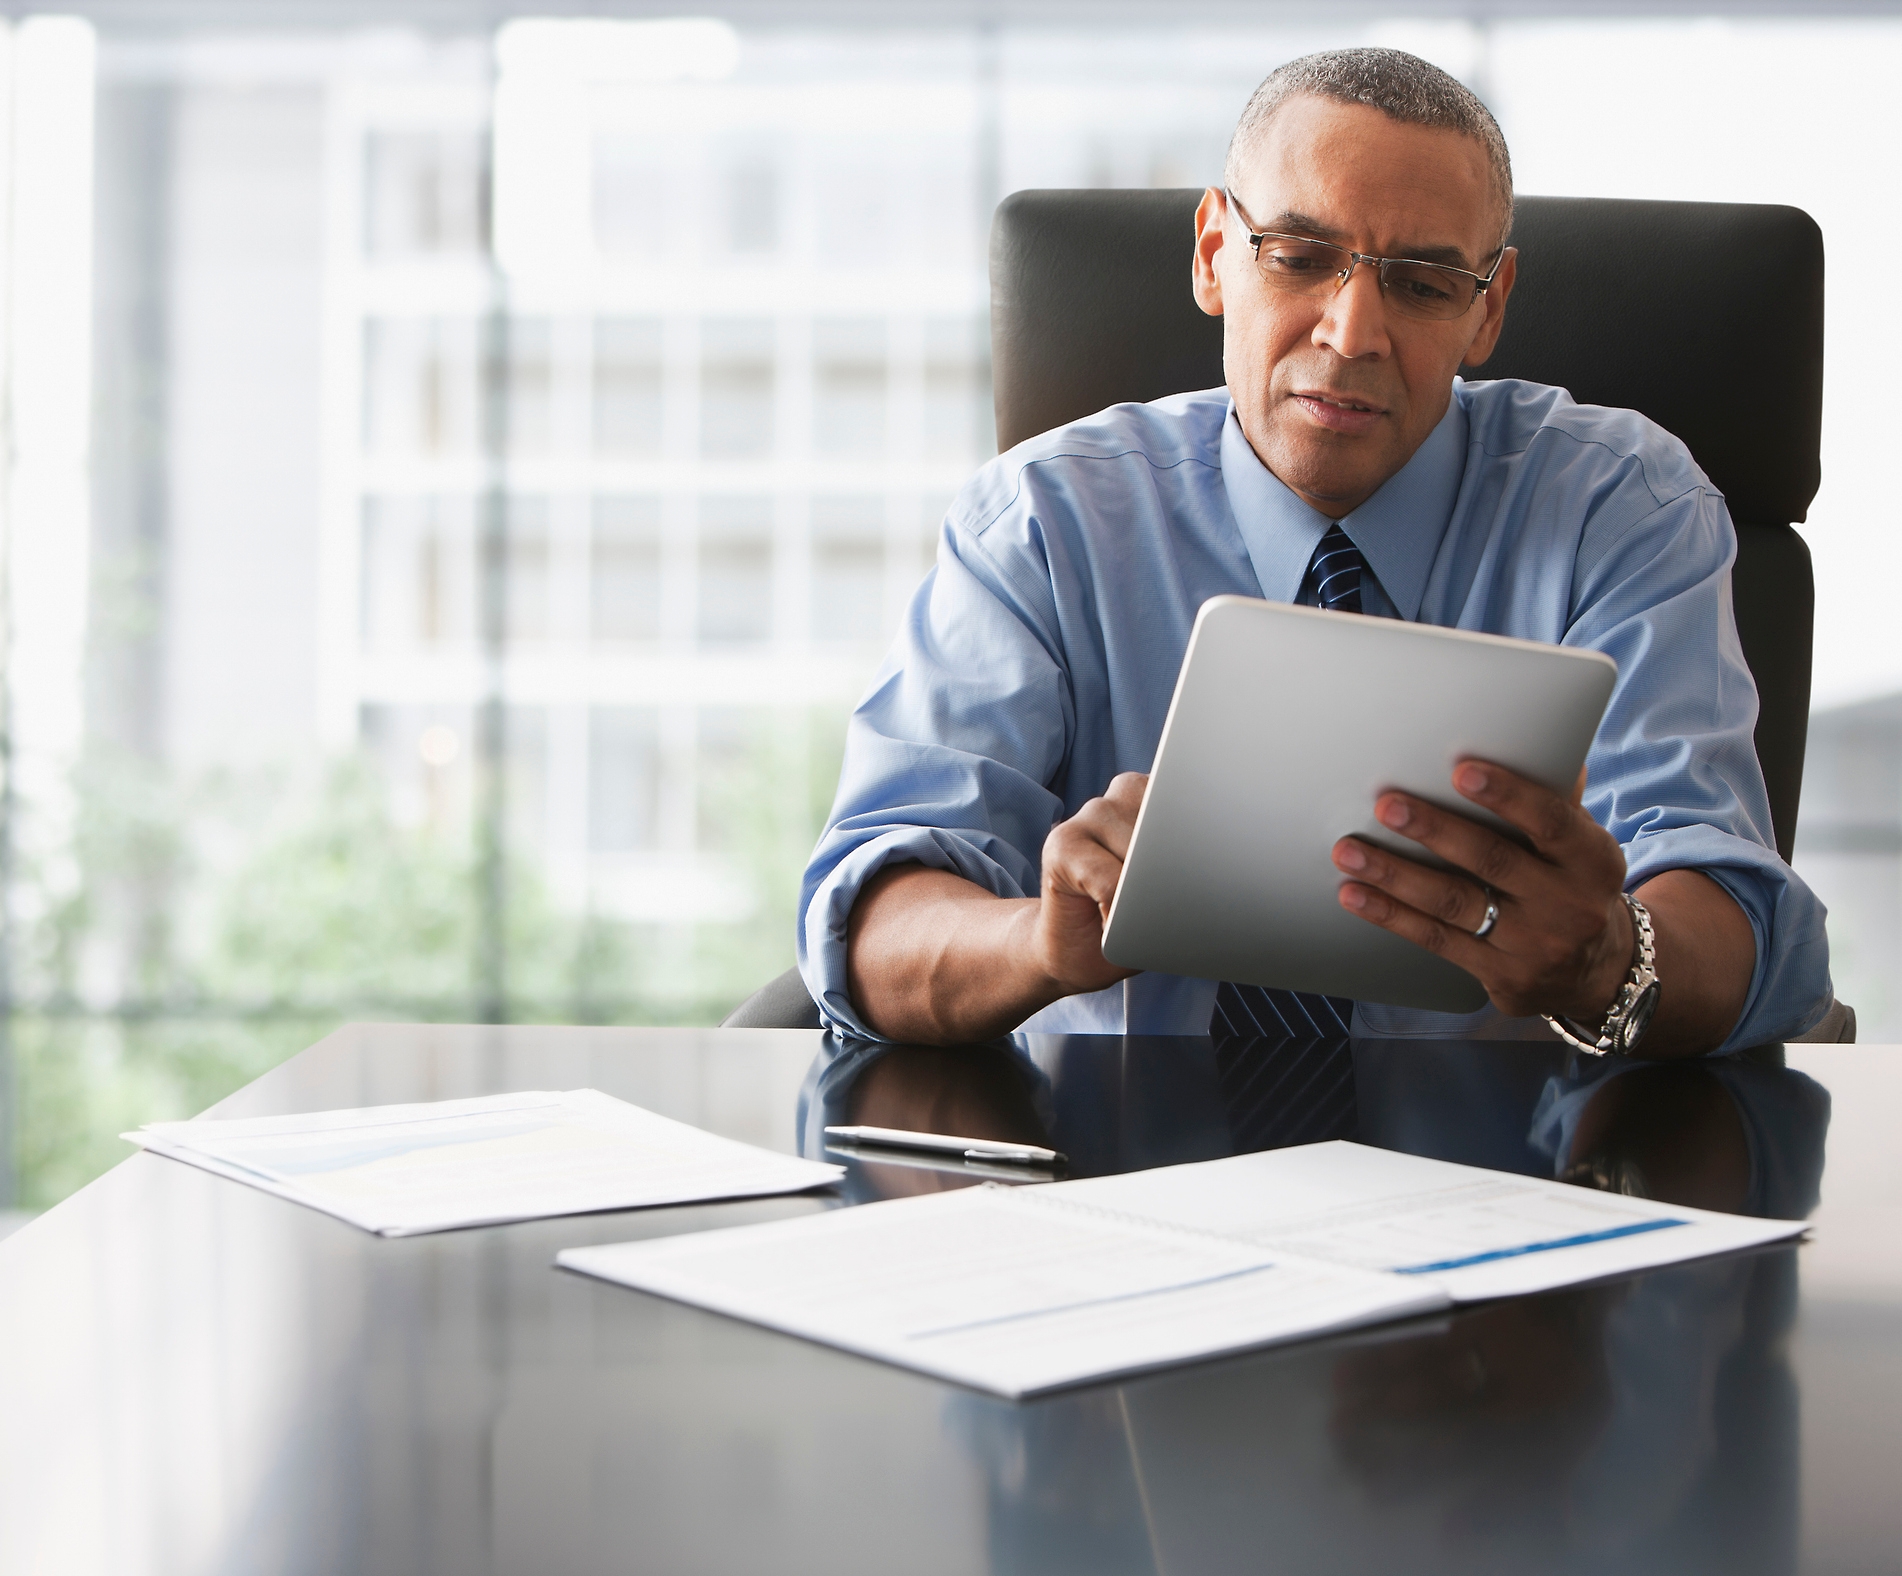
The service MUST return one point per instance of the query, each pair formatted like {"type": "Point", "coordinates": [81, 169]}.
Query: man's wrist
{"type": "Point", "coordinates": [1038, 981]}
{"type": "Point", "coordinates": [1625, 1022]}
{"type": "Point", "coordinates": [1616, 954]}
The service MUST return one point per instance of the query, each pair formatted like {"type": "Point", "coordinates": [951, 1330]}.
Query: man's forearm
{"type": "Point", "coordinates": [934, 959]}
{"type": "Point", "coordinates": [1707, 953]}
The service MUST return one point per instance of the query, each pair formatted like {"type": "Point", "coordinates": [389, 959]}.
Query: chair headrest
{"type": "Point", "coordinates": [1707, 317]}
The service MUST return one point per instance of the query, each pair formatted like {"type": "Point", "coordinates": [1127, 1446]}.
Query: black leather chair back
{"type": "Point", "coordinates": [1707, 317]}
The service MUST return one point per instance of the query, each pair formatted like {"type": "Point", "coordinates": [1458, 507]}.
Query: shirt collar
{"type": "Point", "coordinates": [1398, 530]}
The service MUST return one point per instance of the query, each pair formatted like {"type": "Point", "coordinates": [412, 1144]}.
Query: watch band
{"type": "Point", "coordinates": [1637, 998]}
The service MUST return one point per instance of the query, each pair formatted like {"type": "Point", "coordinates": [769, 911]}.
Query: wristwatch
{"type": "Point", "coordinates": [1631, 1013]}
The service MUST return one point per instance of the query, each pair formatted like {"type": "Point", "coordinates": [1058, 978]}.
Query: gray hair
{"type": "Point", "coordinates": [1401, 86]}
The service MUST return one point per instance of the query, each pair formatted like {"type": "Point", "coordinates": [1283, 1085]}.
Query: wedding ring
{"type": "Point", "coordinates": [1486, 924]}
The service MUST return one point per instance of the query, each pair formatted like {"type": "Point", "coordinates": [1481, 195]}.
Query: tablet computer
{"type": "Point", "coordinates": [1287, 723]}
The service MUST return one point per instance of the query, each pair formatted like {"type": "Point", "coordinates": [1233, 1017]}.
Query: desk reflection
{"type": "Point", "coordinates": [1738, 1134]}
{"type": "Point", "coordinates": [1645, 1424]}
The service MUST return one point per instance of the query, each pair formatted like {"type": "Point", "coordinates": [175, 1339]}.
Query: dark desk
{"type": "Point", "coordinates": [196, 1377]}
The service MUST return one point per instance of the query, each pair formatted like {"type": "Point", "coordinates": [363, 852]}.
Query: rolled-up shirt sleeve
{"type": "Point", "coordinates": [1673, 773]}
{"type": "Point", "coordinates": [946, 758]}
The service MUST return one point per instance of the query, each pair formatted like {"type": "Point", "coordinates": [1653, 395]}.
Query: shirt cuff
{"type": "Point", "coordinates": [1789, 982]}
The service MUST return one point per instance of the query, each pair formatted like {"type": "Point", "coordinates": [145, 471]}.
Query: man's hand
{"type": "Point", "coordinates": [1082, 865]}
{"type": "Point", "coordinates": [933, 958]}
{"type": "Point", "coordinates": [1563, 942]}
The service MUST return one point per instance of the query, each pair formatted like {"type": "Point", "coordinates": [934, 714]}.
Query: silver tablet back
{"type": "Point", "coordinates": [1287, 723]}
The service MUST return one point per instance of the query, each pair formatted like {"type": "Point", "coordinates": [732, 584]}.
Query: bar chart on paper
{"type": "Point", "coordinates": [1477, 1233]}
{"type": "Point", "coordinates": [1022, 1291]}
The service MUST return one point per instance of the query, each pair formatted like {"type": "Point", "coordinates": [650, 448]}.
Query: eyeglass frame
{"type": "Point", "coordinates": [1481, 282]}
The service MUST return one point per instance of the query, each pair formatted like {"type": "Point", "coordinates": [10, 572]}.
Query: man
{"type": "Point", "coordinates": [1358, 259]}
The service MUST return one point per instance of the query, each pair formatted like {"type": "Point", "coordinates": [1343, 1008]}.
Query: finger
{"type": "Point", "coordinates": [1551, 820]}
{"type": "Point", "coordinates": [1107, 821]}
{"type": "Point", "coordinates": [1443, 940]}
{"type": "Point", "coordinates": [1455, 899]}
{"type": "Point", "coordinates": [1489, 858]}
{"type": "Point", "coordinates": [1081, 866]}
{"type": "Point", "coordinates": [1126, 791]}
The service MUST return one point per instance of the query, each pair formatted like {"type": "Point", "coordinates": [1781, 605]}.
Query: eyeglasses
{"type": "Point", "coordinates": [1300, 265]}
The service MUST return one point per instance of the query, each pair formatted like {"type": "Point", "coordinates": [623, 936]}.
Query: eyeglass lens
{"type": "Point", "coordinates": [1417, 289]}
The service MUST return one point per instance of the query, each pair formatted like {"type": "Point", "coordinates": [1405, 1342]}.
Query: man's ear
{"type": "Point", "coordinates": [1495, 300]}
{"type": "Point", "coordinates": [1211, 217]}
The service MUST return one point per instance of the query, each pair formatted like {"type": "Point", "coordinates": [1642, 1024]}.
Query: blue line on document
{"type": "Point", "coordinates": [1541, 1247]}
{"type": "Point", "coordinates": [1087, 1302]}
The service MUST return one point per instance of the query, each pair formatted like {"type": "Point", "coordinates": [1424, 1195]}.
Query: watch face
{"type": "Point", "coordinates": [1638, 1019]}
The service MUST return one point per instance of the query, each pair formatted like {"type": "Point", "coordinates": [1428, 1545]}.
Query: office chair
{"type": "Point", "coordinates": [1706, 317]}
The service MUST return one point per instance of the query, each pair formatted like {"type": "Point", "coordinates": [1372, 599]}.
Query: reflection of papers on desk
{"type": "Point", "coordinates": [1476, 1233]}
{"type": "Point", "coordinates": [1012, 1290]}
{"type": "Point", "coordinates": [399, 1170]}
{"type": "Point", "coordinates": [1027, 1290]}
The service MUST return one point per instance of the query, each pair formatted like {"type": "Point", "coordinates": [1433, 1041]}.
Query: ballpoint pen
{"type": "Point", "coordinates": [947, 1144]}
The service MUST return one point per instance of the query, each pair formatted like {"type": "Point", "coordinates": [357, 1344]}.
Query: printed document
{"type": "Point", "coordinates": [1476, 1233]}
{"type": "Point", "coordinates": [1023, 1290]}
{"type": "Point", "coordinates": [1012, 1290]}
{"type": "Point", "coordinates": [400, 1170]}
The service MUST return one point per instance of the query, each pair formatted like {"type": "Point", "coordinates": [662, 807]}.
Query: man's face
{"type": "Point", "coordinates": [1336, 391]}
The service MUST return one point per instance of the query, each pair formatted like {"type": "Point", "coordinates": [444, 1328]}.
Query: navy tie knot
{"type": "Point", "coordinates": [1334, 573]}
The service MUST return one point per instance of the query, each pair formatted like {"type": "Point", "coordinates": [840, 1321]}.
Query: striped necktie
{"type": "Point", "coordinates": [1332, 582]}
{"type": "Point", "coordinates": [1333, 577]}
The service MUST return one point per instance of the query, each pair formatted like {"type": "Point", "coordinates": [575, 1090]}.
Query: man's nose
{"type": "Point", "coordinates": [1354, 317]}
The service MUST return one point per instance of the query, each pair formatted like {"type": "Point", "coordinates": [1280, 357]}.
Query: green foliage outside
{"type": "Point", "coordinates": [228, 927]}
{"type": "Point", "coordinates": [82, 1081]}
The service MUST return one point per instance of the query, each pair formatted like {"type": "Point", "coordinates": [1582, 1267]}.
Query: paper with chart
{"type": "Point", "coordinates": [1024, 1290]}
{"type": "Point", "coordinates": [1476, 1233]}
{"type": "Point", "coordinates": [1012, 1290]}
{"type": "Point", "coordinates": [400, 1170]}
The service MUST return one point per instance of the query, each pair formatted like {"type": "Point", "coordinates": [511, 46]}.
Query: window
{"type": "Point", "coordinates": [629, 388]}
{"type": "Point", "coordinates": [848, 388]}
{"type": "Point", "coordinates": [731, 810]}
{"type": "Point", "coordinates": [957, 395]}
{"type": "Point", "coordinates": [425, 192]}
{"type": "Point", "coordinates": [736, 389]}
{"type": "Point", "coordinates": [855, 207]}
{"type": "Point", "coordinates": [625, 570]}
{"type": "Point", "coordinates": [525, 754]}
{"type": "Point", "coordinates": [736, 569]}
{"type": "Point", "coordinates": [848, 568]}
{"type": "Point", "coordinates": [526, 587]}
{"type": "Point", "coordinates": [631, 199]}
{"type": "Point", "coordinates": [422, 387]}
{"type": "Point", "coordinates": [752, 208]}
{"type": "Point", "coordinates": [530, 408]}
{"type": "Point", "coordinates": [624, 766]}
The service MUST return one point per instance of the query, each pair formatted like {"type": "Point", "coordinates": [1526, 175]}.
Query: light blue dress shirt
{"type": "Point", "coordinates": [1038, 659]}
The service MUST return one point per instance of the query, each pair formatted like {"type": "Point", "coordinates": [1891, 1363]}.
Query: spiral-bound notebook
{"type": "Point", "coordinates": [1023, 1290]}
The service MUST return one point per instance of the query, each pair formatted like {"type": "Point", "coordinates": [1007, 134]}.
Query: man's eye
{"type": "Point", "coordinates": [1299, 263]}
{"type": "Point", "coordinates": [1426, 289]}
